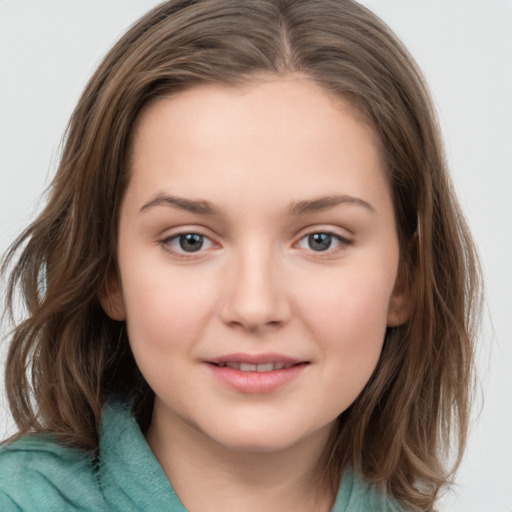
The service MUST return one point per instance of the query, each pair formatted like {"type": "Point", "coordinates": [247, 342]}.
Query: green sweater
{"type": "Point", "coordinates": [39, 474]}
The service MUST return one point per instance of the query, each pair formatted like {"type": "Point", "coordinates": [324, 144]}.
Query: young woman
{"type": "Point", "coordinates": [252, 287]}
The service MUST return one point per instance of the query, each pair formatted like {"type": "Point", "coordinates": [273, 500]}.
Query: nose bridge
{"type": "Point", "coordinates": [255, 296]}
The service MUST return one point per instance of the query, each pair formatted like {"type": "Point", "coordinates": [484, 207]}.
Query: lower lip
{"type": "Point", "coordinates": [256, 382]}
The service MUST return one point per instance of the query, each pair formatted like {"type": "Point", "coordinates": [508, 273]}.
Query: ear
{"type": "Point", "coordinates": [400, 303]}
{"type": "Point", "coordinates": [111, 299]}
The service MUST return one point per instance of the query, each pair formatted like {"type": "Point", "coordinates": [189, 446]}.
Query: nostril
{"type": "Point", "coordinates": [254, 300]}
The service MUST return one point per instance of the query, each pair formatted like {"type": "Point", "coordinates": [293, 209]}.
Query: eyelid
{"type": "Point", "coordinates": [342, 233]}
{"type": "Point", "coordinates": [343, 241]}
{"type": "Point", "coordinates": [165, 242]}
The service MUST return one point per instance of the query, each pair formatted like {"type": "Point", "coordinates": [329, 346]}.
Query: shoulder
{"type": "Point", "coordinates": [39, 473]}
{"type": "Point", "coordinates": [356, 495]}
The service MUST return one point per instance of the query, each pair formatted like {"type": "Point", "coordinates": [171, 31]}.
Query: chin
{"type": "Point", "coordinates": [257, 438]}
{"type": "Point", "coordinates": [257, 444]}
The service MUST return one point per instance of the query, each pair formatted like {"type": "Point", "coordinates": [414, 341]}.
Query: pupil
{"type": "Point", "coordinates": [319, 241]}
{"type": "Point", "coordinates": [191, 242]}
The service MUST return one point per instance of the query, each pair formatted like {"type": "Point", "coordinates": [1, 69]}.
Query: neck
{"type": "Point", "coordinates": [209, 476]}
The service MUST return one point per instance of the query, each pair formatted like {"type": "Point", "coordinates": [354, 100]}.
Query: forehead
{"type": "Point", "coordinates": [294, 99]}
{"type": "Point", "coordinates": [279, 137]}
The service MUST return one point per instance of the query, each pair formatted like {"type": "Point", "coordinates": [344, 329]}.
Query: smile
{"type": "Point", "coordinates": [262, 373]}
{"type": "Point", "coordinates": [262, 367]}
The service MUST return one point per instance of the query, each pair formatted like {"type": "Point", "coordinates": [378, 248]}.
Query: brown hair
{"type": "Point", "coordinates": [68, 357]}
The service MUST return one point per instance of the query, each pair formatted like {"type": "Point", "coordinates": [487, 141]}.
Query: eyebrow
{"type": "Point", "coordinates": [297, 208]}
{"type": "Point", "coordinates": [190, 205]}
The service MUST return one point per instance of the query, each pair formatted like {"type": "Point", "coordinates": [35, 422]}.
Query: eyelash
{"type": "Point", "coordinates": [167, 242]}
{"type": "Point", "coordinates": [342, 242]}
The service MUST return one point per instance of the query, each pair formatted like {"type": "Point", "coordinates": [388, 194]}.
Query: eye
{"type": "Point", "coordinates": [322, 242]}
{"type": "Point", "coordinates": [187, 243]}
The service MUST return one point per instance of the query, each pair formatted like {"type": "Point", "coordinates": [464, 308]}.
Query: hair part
{"type": "Point", "coordinates": [67, 358]}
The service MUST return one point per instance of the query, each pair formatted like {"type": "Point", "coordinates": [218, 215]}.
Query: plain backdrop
{"type": "Point", "coordinates": [49, 48]}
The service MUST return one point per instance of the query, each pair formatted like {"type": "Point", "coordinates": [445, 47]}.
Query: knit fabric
{"type": "Point", "coordinates": [37, 474]}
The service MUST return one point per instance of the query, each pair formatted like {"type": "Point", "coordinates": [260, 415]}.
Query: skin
{"type": "Point", "coordinates": [257, 285]}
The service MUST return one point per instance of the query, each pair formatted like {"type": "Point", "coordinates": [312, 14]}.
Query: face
{"type": "Point", "coordinates": [258, 257]}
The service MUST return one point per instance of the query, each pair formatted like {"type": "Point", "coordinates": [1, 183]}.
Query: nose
{"type": "Point", "coordinates": [255, 298]}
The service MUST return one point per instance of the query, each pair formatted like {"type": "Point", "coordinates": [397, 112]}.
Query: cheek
{"type": "Point", "coordinates": [348, 318]}
{"type": "Point", "coordinates": [165, 310]}
{"type": "Point", "coordinates": [349, 326]}
{"type": "Point", "coordinates": [164, 322]}
{"type": "Point", "coordinates": [357, 302]}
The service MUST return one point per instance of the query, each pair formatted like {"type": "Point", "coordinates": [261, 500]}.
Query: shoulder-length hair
{"type": "Point", "coordinates": [68, 357]}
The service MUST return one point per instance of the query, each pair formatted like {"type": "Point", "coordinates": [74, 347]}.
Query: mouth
{"type": "Point", "coordinates": [256, 373]}
{"type": "Point", "coordinates": [252, 367]}
{"type": "Point", "coordinates": [256, 362]}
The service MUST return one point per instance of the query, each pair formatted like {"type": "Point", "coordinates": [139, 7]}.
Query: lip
{"type": "Point", "coordinates": [269, 357]}
{"type": "Point", "coordinates": [254, 381]}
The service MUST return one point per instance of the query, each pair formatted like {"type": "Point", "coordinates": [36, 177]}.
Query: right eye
{"type": "Point", "coordinates": [186, 243]}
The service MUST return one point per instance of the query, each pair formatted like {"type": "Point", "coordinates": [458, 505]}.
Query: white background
{"type": "Point", "coordinates": [49, 48]}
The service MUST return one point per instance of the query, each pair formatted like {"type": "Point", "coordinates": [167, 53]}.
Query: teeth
{"type": "Point", "coordinates": [267, 367]}
{"type": "Point", "coordinates": [263, 367]}
{"type": "Point", "coordinates": [248, 367]}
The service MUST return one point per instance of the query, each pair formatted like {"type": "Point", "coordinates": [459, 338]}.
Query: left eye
{"type": "Point", "coordinates": [321, 242]}
{"type": "Point", "coordinates": [188, 242]}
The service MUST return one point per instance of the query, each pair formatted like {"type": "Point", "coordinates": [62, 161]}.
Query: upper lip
{"type": "Point", "coordinates": [255, 359]}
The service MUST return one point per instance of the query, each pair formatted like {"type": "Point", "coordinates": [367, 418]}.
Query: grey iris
{"type": "Point", "coordinates": [191, 242]}
{"type": "Point", "coordinates": [319, 241]}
